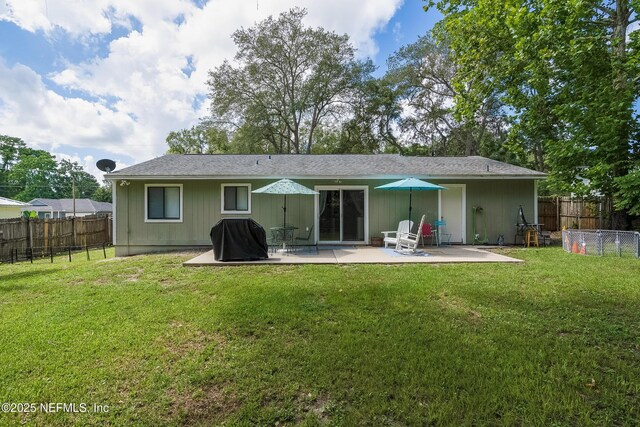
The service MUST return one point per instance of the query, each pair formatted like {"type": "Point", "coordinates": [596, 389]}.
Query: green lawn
{"type": "Point", "coordinates": [552, 341]}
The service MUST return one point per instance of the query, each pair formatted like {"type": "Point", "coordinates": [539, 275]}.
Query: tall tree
{"type": "Point", "coordinates": [10, 148]}
{"type": "Point", "coordinates": [70, 175]}
{"type": "Point", "coordinates": [33, 175]}
{"type": "Point", "coordinates": [423, 74]}
{"type": "Point", "coordinates": [288, 80]}
{"type": "Point", "coordinates": [103, 193]}
{"type": "Point", "coordinates": [373, 125]}
{"type": "Point", "coordinates": [568, 71]}
{"type": "Point", "coordinates": [202, 138]}
{"type": "Point", "coordinates": [27, 173]}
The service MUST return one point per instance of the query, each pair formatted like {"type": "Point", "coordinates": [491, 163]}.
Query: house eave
{"type": "Point", "coordinates": [317, 177]}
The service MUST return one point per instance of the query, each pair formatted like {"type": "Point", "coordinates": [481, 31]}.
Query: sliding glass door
{"type": "Point", "coordinates": [329, 222]}
{"type": "Point", "coordinates": [342, 214]}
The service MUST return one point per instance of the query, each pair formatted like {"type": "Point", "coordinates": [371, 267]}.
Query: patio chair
{"type": "Point", "coordinates": [528, 232]}
{"type": "Point", "coordinates": [404, 227]}
{"type": "Point", "coordinates": [427, 231]}
{"type": "Point", "coordinates": [408, 242]}
{"type": "Point", "coordinates": [443, 237]}
{"type": "Point", "coordinates": [303, 240]}
{"type": "Point", "coordinates": [274, 241]}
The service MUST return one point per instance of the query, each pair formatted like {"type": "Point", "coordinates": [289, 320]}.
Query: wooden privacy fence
{"type": "Point", "coordinates": [45, 236]}
{"type": "Point", "coordinates": [558, 212]}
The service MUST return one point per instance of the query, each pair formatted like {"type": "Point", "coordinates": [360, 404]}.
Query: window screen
{"type": "Point", "coordinates": [163, 202]}
{"type": "Point", "coordinates": [236, 198]}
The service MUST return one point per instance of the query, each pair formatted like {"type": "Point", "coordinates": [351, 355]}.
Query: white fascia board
{"type": "Point", "coordinates": [245, 177]}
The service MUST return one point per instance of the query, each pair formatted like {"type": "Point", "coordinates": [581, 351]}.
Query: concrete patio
{"type": "Point", "coordinates": [365, 255]}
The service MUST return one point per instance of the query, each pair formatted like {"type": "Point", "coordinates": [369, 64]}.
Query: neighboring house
{"type": "Point", "coordinates": [10, 208]}
{"type": "Point", "coordinates": [64, 208]}
{"type": "Point", "coordinates": [172, 202]}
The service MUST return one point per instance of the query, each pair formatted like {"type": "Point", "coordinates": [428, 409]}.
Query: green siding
{"type": "Point", "coordinates": [500, 201]}
{"type": "Point", "coordinates": [201, 202]}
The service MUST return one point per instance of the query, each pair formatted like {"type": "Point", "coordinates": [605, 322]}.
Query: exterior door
{"type": "Point", "coordinates": [452, 209]}
{"type": "Point", "coordinates": [342, 214]}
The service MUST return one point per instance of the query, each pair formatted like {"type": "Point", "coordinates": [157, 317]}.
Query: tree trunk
{"type": "Point", "coordinates": [622, 108]}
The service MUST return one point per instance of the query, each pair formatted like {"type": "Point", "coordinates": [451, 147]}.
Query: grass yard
{"type": "Point", "coordinates": [552, 341]}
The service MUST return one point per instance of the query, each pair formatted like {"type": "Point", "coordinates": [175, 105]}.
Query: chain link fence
{"type": "Point", "coordinates": [602, 242]}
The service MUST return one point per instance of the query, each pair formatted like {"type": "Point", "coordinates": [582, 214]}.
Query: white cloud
{"type": "Point", "coordinates": [47, 120]}
{"type": "Point", "coordinates": [143, 70]}
{"type": "Point", "coordinates": [84, 17]}
{"type": "Point", "coordinates": [397, 32]}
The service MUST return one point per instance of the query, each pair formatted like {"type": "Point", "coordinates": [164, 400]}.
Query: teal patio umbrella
{"type": "Point", "coordinates": [284, 186]}
{"type": "Point", "coordinates": [410, 184]}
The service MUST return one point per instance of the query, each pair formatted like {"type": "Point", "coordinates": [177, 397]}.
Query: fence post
{"type": "Point", "coordinates": [27, 234]}
{"type": "Point", "coordinates": [599, 245]}
{"type": "Point", "coordinates": [31, 234]}
{"type": "Point", "coordinates": [46, 234]}
{"type": "Point", "coordinates": [73, 227]}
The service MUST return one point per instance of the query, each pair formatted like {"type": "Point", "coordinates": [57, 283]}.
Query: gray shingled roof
{"type": "Point", "coordinates": [66, 205]}
{"type": "Point", "coordinates": [10, 202]}
{"type": "Point", "coordinates": [320, 166]}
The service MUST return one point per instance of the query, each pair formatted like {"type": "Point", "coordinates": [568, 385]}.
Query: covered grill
{"type": "Point", "coordinates": [238, 239]}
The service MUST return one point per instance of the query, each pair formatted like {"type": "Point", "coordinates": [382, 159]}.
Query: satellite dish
{"type": "Point", "coordinates": [106, 165]}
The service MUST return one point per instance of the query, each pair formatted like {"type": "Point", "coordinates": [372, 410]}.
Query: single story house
{"type": "Point", "coordinates": [64, 208]}
{"type": "Point", "coordinates": [10, 208]}
{"type": "Point", "coordinates": [171, 202]}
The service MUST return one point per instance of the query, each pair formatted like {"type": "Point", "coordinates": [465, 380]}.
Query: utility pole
{"type": "Point", "coordinates": [73, 194]}
{"type": "Point", "coordinates": [73, 220]}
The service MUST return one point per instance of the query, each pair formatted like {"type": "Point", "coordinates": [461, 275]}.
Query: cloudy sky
{"type": "Point", "coordinates": [88, 79]}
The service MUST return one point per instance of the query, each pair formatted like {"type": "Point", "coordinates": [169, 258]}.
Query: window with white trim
{"type": "Point", "coordinates": [236, 198]}
{"type": "Point", "coordinates": [163, 202]}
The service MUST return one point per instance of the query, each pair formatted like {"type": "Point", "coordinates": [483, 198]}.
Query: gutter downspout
{"type": "Point", "coordinates": [535, 202]}
{"type": "Point", "coordinates": [115, 209]}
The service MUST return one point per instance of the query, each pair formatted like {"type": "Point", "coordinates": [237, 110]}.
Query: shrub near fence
{"type": "Point", "coordinates": [37, 237]}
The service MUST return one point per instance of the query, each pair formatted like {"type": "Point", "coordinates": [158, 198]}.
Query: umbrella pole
{"type": "Point", "coordinates": [284, 212]}
{"type": "Point", "coordinates": [284, 223]}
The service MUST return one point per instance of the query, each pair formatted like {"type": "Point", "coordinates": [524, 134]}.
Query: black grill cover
{"type": "Point", "coordinates": [238, 239]}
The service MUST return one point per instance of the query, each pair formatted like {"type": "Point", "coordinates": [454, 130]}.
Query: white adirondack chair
{"type": "Point", "coordinates": [391, 237]}
{"type": "Point", "coordinates": [408, 242]}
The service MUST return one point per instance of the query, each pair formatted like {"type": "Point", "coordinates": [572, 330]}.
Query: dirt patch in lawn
{"type": "Point", "coordinates": [208, 405]}
{"type": "Point", "coordinates": [459, 306]}
{"type": "Point", "coordinates": [317, 405]}
{"type": "Point", "coordinates": [135, 276]}
{"type": "Point", "coordinates": [183, 338]}
{"type": "Point", "coordinates": [167, 283]}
